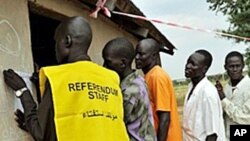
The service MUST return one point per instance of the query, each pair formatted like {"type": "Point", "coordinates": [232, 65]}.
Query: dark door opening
{"type": "Point", "coordinates": [43, 45]}
{"type": "Point", "coordinates": [42, 39]}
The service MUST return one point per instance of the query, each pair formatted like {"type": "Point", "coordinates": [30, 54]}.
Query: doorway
{"type": "Point", "coordinates": [43, 45]}
{"type": "Point", "coordinates": [42, 39]}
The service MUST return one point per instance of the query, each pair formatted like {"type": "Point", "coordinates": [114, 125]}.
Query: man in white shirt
{"type": "Point", "coordinates": [202, 113]}
{"type": "Point", "coordinates": [235, 98]}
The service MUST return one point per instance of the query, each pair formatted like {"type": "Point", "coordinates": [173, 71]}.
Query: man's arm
{"type": "Point", "coordinates": [164, 121]}
{"type": "Point", "coordinates": [128, 108]}
{"type": "Point", "coordinates": [212, 113]}
{"type": "Point", "coordinates": [212, 137]}
{"type": "Point", "coordinates": [40, 122]}
{"type": "Point", "coordinates": [35, 121]}
{"type": "Point", "coordinates": [133, 107]}
{"type": "Point", "coordinates": [30, 116]}
{"type": "Point", "coordinates": [239, 113]}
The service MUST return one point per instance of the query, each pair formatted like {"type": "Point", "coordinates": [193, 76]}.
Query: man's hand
{"type": "Point", "coordinates": [20, 120]}
{"type": "Point", "coordinates": [13, 80]}
{"type": "Point", "coordinates": [212, 137]}
{"type": "Point", "coordinates": [220, 89]}
{"type": "Point", "coordinates": [34, 78]}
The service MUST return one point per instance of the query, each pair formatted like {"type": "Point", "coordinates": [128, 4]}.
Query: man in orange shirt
{"type": "Point", "coordinates": [162, 98]}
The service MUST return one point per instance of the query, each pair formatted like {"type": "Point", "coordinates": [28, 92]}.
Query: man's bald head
{"type": "Point", "coordinates": [73, 38]}
{"type": "Point", "coordinates": [121, 48]}
{"type": "Point", "coordinates": [150, 44]}
{"type": "Point", "coordinates": [79, 30]}
{"type": "Point", "coordinates": [118, 55]}
{"type": "Point", "coordinates": [147, 54]}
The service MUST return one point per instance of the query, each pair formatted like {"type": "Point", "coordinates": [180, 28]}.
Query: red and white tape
{"type": "Point", "coordinates": [100, 6]}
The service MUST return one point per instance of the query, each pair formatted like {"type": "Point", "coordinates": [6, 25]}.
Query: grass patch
{"type": "Point", "coordinates": [180, 92]}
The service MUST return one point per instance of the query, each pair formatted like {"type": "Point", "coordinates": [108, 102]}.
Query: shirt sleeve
{"type": "Point", "coordinates": [213, 112]}
{"type": "Point", "coordinates": [239, 114]}
{"type": "Point", "coordinates": [162, 91]}
{"type": "Point", "coordinates": [133, 107]}
{"type": "Point", "coordinates": [39, 122]}
{"type": "Point", "coordinates": [128, 103]}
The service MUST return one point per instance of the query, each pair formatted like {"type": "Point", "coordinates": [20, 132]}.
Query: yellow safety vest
{"type": "Point", "coordinates": [87, 102]}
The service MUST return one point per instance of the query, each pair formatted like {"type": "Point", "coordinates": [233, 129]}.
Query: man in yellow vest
{"type": "Point", "coordinates": [80, 99]}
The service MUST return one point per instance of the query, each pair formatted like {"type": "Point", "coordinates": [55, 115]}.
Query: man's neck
{"type": "Point", "coordinates": [236, 81]}
{"type": "Point", "coordinates": [79, 58]}
{"type": "Point", "coordinates": [196, 80]}
{"type": "Point", "coordinates": [127, 72]}
{"type": "Point", "coordinates": [147, 69]}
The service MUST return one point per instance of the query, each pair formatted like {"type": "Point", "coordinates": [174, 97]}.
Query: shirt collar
{"type": "Point", "coordinates": [128, 79]}
{"type": "Point", "coordinates": [151, 70]}
{"type": "Point", "coordinates": [199, 85]}
{"type": "Point", "coordinates": [242, 82]}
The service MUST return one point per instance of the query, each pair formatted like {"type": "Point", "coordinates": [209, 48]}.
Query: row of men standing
{"type": "Point", "coordinates": [150, 109]}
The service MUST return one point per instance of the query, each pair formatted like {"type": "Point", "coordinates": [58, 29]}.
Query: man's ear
{"type": "Point", "coordinates": [123, 63]}
{"type": "Point", "coordinates": [68, 41]}
{"type": "Point", "coordinates": [155, 55]}
{"type": "Point", "coordinates": [205, 69]}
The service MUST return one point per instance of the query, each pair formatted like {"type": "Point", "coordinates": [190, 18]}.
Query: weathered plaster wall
{"type": "Point", "coordinates": [15, 48]}
{"type": "Point", "coordinates": [103, 29]}
{"type": "Point", "coordinates": [15, 52]}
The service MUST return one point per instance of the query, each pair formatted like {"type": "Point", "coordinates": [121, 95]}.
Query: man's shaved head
{"type": "Point", "coordinates": [118, 55]}
{"type": "Point", "coordinates": [147, 54]}
{"type": "Point", "coordinates": [73, 38]}
{"type": "Point", "coordinates": [78, 28]}
{"type": "Point", "coordinates": [151, 45]}
{"type": "Point", "coordinates": [121, 48]}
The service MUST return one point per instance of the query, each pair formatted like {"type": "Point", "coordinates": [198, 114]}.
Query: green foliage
{"type": "Point", "coordinates": [238, 13]}
{"type": "Point", "coordinates": [247, 61]}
